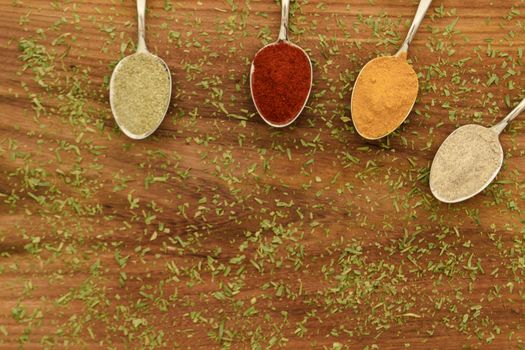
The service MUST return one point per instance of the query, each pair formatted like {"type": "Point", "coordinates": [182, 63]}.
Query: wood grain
{"type": "Point", "coordinates": [332, 240]}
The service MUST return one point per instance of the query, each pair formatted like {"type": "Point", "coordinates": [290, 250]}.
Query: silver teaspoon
{"type": "Point", "coordinates": [270, 58]}
{"type": "Point", "coordinates": [479, 160]}
{"type": "Point", "coordinates": [141, 93]}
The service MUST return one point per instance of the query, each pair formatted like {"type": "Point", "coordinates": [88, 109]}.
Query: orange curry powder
{"type": "Point", "coordinates": [383, 96]}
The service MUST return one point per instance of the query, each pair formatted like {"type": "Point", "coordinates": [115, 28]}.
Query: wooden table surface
{"type": "Point", "coordinates": [220, 232]}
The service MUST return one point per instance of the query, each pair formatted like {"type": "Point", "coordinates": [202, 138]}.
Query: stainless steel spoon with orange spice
{"type": "Point", "coordinates": [386, 89]}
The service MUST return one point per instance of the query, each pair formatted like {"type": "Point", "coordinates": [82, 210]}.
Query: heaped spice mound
{"type": "Point", "coordinates": [465, 162]}
{"type": "Point", "coordinates": [280, 82]}
{"type": "Point", "coordinates": [384, 94]}
{"type": "Point", "coordinates": [140, 93]}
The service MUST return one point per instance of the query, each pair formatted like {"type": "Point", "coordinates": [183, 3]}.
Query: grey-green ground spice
{"type": "Point", "coordinates": [465, 162]}
{"type": "Point", "coordinates": [140, 93]}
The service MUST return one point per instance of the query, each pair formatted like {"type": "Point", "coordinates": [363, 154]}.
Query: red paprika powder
{"type": "Point", "coordinates": [280, 82]}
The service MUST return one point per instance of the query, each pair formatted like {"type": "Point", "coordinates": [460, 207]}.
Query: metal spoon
{"type": "Point", "coordinates": [497, 130]}
{"type": "Point", "coordinates": [141, 49]}
{"type": "Point", "coordinates": [402, 53]}
{"type": "Point", "coordinates": [283, 38]}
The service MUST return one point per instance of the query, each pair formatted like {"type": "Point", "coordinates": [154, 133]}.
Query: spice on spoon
{"type": "Point", "coordinates": [281, 81]}
{"type": "Point", "coordinates": [465, 163]}
{"type": "Point", "coordinates": [141, 93]}
{"type": "Point", "coordinates": [384, 94]}
{"type": "Point", "coordinates": [387, 88]}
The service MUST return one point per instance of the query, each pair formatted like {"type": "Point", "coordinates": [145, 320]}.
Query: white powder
{"type": "Point", "coordinates": [465, 163]}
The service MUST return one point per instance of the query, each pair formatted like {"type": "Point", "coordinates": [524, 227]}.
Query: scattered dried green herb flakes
{"type": "Point", "coordinates": [224, 233]}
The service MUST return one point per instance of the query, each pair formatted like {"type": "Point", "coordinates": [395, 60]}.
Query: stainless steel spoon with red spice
{"type": "Point", "coordinates": [281, 78]}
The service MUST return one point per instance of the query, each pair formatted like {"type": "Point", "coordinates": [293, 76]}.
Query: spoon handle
{"type": "Point", "coordinates": [420, 15]}
{"type": "Point", "coordinates": [498, 128]}
{"type": "Point", "coordinates": [285, 14]}
{"type": "Point", "coordinates": [141, 12]}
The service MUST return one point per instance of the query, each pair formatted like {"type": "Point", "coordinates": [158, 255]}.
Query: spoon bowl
{"type": "Point", "coordinates": [471, 153]}
{"type": "Point", "coordinates": [301, 100]}
{"type": "Point", "coordinates": [281, 84]}
{"type": "Point", "coordinates": [474, 155]}
{"type": "Point", "coordinates": [112, 90]}
{"type": "Point", "coordinates": [377, 99]}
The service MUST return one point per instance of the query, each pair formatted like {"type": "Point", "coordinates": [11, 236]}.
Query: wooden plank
{"type": "Point", "coordinates": [219, 232]}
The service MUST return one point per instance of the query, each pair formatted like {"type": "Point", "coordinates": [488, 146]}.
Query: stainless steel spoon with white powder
{"type": "Point", "coordinates": [469, 160]}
